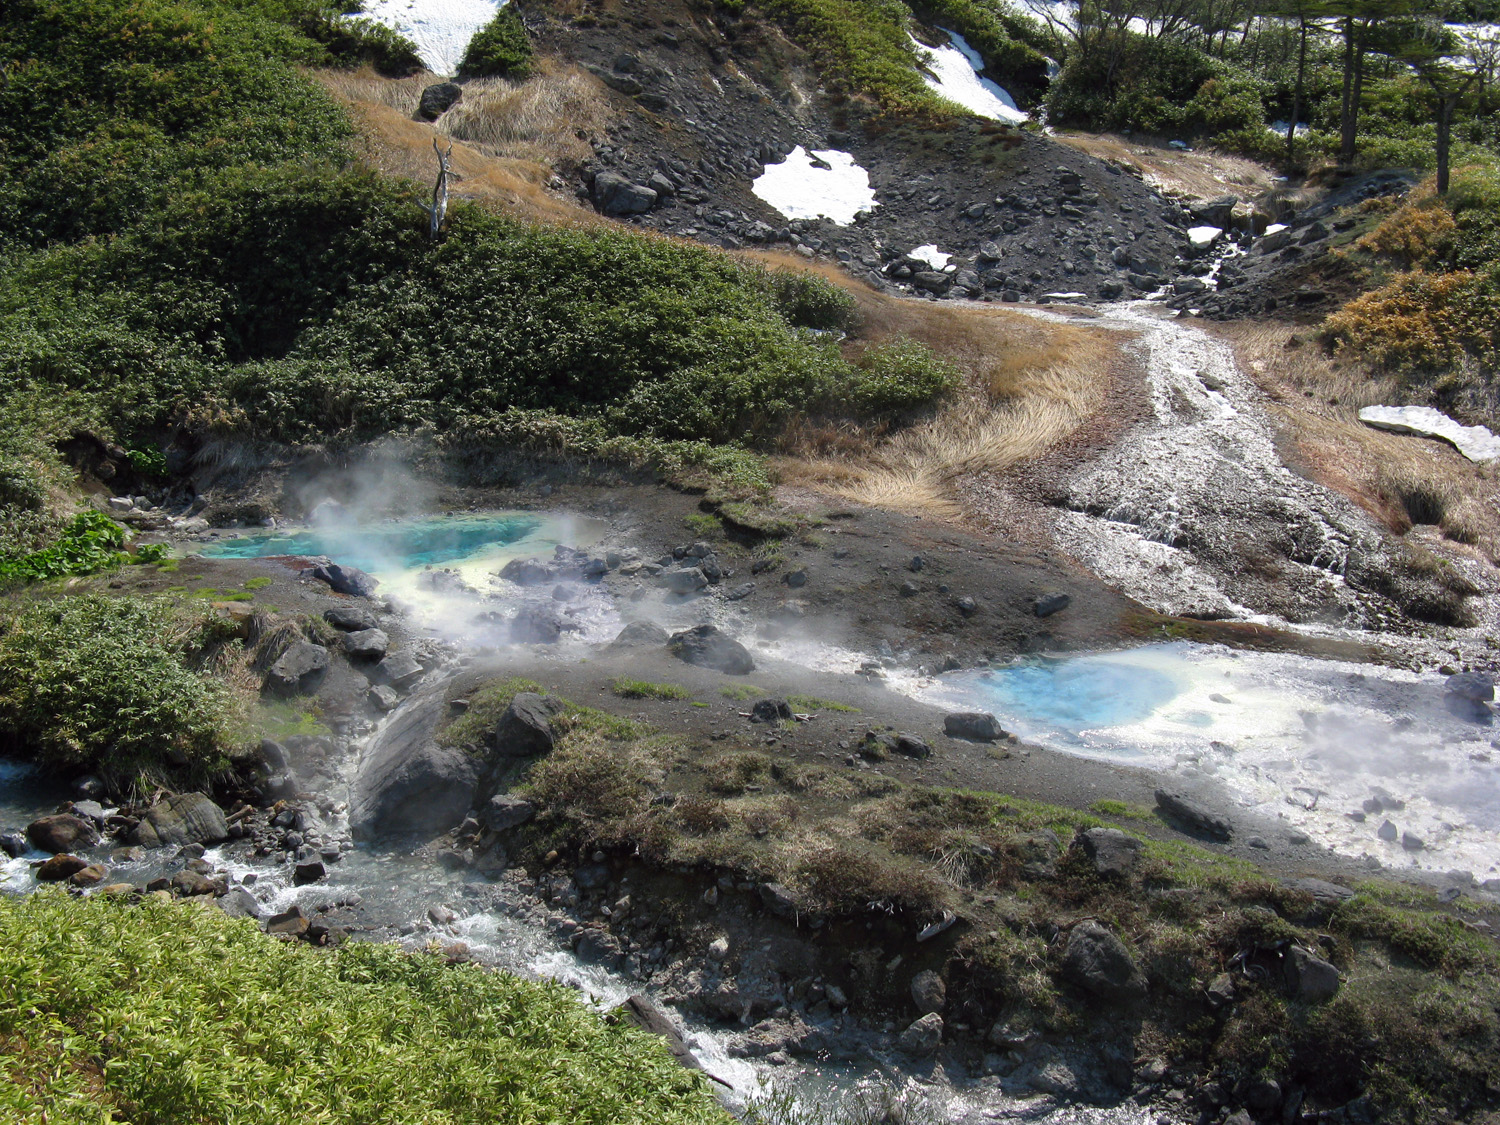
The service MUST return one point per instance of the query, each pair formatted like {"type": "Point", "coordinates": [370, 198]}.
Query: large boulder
{"type": "Point", "coordinates": [297, 671]}
{"type": "Point", "coordinates": [59, 867]}
{"type": "Point", "coordinates": [61, 833]}
{"type": "Point", "coordinates": [438, 98]}
{"type": "Point", "coordinates": [536, 625]}
{"type": "Point", "coordinates": [366, 644]}
{"type": "Point", "coordinates": [346, 579]}
{"type": "Point", "coordinates": [705, 646]}
{"type": "Point", "coordinates": [640, 634]}
{"type": "Point", "coordinates": [686, 580]}
{"type": "Point", "coordinates": [1110, 851]}
{"type": "Point", "coordinates": [1098, 962]}
{"type": "Point", "coordinates": [188, 818]}
{"type": "Point", "coordinates": [525, 729]}
{"type": "Point", "coordinates": [1191, 817]}
{"type": "Point", "coordinates": [408, 784]}
{"type": "Point", "coordinates": [973, 726]}
{"type": "Point", "coordinates": [615, 195]}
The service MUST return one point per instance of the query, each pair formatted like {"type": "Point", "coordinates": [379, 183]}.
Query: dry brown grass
{"type": "Point", "coordinates": [509, 138]}
{"type": "Point", "coordinates": [1200, 174]}
{"type": "Point", "coordinates": [1400, 480]}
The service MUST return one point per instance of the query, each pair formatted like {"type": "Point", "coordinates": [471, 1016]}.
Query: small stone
{"type": "Point", "coordinates": [1048, 604]}
{"type": "Point", "coordinates": [1388, 832]}
{"type": "Point", "coordinates": [289, 923]}
{"type": "Point", "coordinates": [59, 867]}
{"type": "Point", "coordinates": [383, 698]}
{"type": "Point", "coordinates": [718, 949]}
{"type": "Point", "coordinates": [923, 1037]}
{"type": "Point", "coordinates": [928, 992]}
{"type": "Point", "coordinates": [1411, 842]}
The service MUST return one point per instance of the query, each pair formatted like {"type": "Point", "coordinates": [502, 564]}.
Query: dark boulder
{"type": "Point", "coordinates": [528, 572]}
{"type": "Point", "coordinates": [505, 812]}
{"type": "Point", "coordinates": [366, 644]}
{"type": "Point", "coordinates": [974, 726]}
{"type": "Point", "coordinates": [1191, 817]}
{"type": "Point", "coordinates": [525, 730]}
{"type": "Point", "coordinates": [437, 99]}
{"type": "Point", "coordinates": [770, 711]}
{"type": "Point", "coordinates": [351, 618]}
{"type": "Point", "coordinates": [407, 784]}
{"type": "Point", "coordinates": [13, 844]}
{"type": "Point", "coordinates": [615, 195]}
{"type": "Point", "coordinates": [61, 833]}
{"type": "Point", "coordinates": [346, 579]}
{"type": "Point", "coordinates": [705, 646]}
{"type": "Point", "coordinates": [923, 1037]}
{"type": "Point", "coordinates": [1048, 604]}
{"type": "Point", "coordinates": [60, 867]}
{"type": "Point", "coordinates": [640, 634]}
{"type": "Point", "coordinates": [239, 903]}
{"type": "Point", "coordinates": [649, 1016]}
{"type": "Point", "coordinates": [399, 669]}
{"type": "Point", "coordinates": [1098, 962]}
{"type": "Point", "coordinates": [535, 625]}
{"type": "Point", "coordinates": [188, 818]}
{"type": "Point", "coordinates": [1308, 978]}
{"type": "Point", "coordinates": [297, 671]}
{"type": "Point", "coordinates": [1109, 851]}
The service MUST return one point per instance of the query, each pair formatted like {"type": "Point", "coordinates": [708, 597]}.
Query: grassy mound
{"type": "Point", "coordinates": [162, 1012]}
{"type": "Point", "coordinates": [126, 688]}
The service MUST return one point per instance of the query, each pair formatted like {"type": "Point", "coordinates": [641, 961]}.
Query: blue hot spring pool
{"type": "Point", "coordinates": [394, 545]}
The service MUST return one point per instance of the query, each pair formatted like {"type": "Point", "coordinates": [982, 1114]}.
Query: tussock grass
{"type": "Point", "coordinates": [644, 689]}
{"type": "Point", "coordinates": [539, 120]}
{"type": "Point", "coordinates": [164, 1012]}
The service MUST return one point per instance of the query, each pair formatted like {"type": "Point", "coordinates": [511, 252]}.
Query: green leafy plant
{"type": "Point", "coordinates": [90, 542]}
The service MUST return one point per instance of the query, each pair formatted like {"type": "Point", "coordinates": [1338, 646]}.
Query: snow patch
{"type": "Point", "coordinates": [1276, 228]}
{"type": "Point", "coordinates": [1202, 236]}
{"type": "Point", "coordinates": [1476, 443]}
{"type": "Point", "coordinates": [954, 75]}
{"type": "Point", "coordinates": [441, 29]}
{"type": "Point", "coordinates": [931, 255]}
{"type": "Point", "coordinates": [801, 189]}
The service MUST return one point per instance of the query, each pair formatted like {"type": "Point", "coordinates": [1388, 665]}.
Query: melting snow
{"type": "Point", "coordinates": [955, 76]}
{"type": "Point", "coordinates": [931, 255]}
{"type": "Point", "coordinates": [1202, 236]}
{"type": "Point", "coordinates": [1474, 442]}
{"type": "Point", "coordinates": [1275, 228]}
{"type": "Point", "coordinates": [441, 29]}
{"type": "Point", "coordinates": [800, 189]}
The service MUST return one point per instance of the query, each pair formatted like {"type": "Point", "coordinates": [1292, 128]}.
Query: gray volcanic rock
{"type": "Point", "coordinates": [705, 646]}
{"type": "Point", "coordinates": [640, 634]}
{"type": "Point", "coordinates": [1309, 978]}
{"type": "Point", "coordinates": [525, 729]}
{"type": "Point", "coordinates": [974, 726]}
{"type": "Point", "coordinates": [1098, 962]}
{"type": "Point", "coordinates": [1110, 851]}
{"type": "Point", "coordinates": [1192, 817]}
{"type": "Point", "coordinates": [366, 644]}
{"type": "Point", "coordinates": [188, 818]}
{"type": "Point", "coordinates": [615, 195]}
{"type": "Point", "coordinates": [923, 1037]}
{"type": "Point", "coordinates": [351, 618]}
{"type": "Point", "coordinates": [406, 783]}
{"type": "Point", "coordinates": [346, 579]}
{"type": "Point", "coordinates": [297, 671]}
{"type": "Point", "coordinates": [528, 572]}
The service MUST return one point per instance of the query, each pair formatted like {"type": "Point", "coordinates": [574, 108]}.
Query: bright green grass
{"type": "Point", "coordinates": [813, 703]}
{"type": "Point", "coordinates": [741, 692]}
{"type": "Point", "coordinates": [163, 1012]}
{"type": "Point", "coordinates": [644, 689]}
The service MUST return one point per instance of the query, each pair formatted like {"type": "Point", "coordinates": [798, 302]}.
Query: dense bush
{"type": "Point", "coordinates": [500, 49]}
{"type": "Point", "coordinates": [899, 377]}
{"type": "Point", "coordinates": [160, 1012]}
{"type": "Point", "coordinates": [110, 685]}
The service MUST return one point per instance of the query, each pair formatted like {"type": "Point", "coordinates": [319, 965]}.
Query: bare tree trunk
{"type": "Point", "coordinates": [438, 212]}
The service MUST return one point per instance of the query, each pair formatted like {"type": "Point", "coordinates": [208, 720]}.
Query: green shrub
{"type": "Point", "coordinates": [160, 1012]}
{"type": "Point", "coordinates": [90, 542]}
{"type": "Point", "coordinates": [500, 49]}
{"type": "Point", "coordinates": [899, 377]}
{"type": "Point", "coordinates": [111, 686]}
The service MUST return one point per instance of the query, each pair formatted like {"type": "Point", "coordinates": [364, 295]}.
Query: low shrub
{"type": "Point", "coordinates": [500, 49]}
{"type": "Point", "coordinates": [162, 1012]}
{"type": "Point", "coordinates": [897, 378]}
{"type": "Point", "coordinates": [113, 686]}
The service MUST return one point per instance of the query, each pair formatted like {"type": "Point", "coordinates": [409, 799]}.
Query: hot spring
{"type": "Point", "coordinates": [1332, 749]}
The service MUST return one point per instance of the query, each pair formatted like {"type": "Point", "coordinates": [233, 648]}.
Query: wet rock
{"type": "Point", "coordinates": [59, 867]}
{"type": "Point", "coordinates": [1048, 604]}
{"type": "Point", "coordinates": [61, 832]}
{"type": "Point", "coordinates": [289, 923]}
{"type": "Point", "coordinates": [536, 625]}
{"type": "Point", "coordinates": [1191, 817]}
{"type": "Point", "coordinates": [297, 671]}
{"type": "Point", "coordinates": [273, 755]}
{"type": "Point", "coordinates": [1474, 686]}
{"type": "Point", "coordinates": [505, 812]}
{"type": "Point", "coordinates": [770, 711]}
{"type": "Point", "coordinates": [923, 1036]}
{"type": "Point", "coordinates": [437, 99]}
{"type": "Point", "coordinates": [1110, 851]}
{"type": "Point", "coordinates": [239, 903]}
{"type": "Point", "coordinates": [191, 884]}
{"type": "Point", "coordinates": [351, 618]}
{"type": "Point", "coordinates": [928, 992]}
{"type": "Point", "coordinates": [640, 634]}
{"type": "Point", "coordinates": [366, 644]}
{"type": "Point", "coordinates": [1411, 842]}
{"type": "Point", "coordinates": [525, 729]}
{"type": "Point", "coordinates": [13, 844]}
{"type": "Point", "coordinates": [528, 572]}
{"type": "Point", "coordinates": [649, 1016]}
{"type": "Point", "coordinates": [188, 818]}
{"type": "Point", "coordinates": [705, 646]}
{"type": "Point", "coordinates": [974, 726]}
{"type": "Point", "coordinates": [308, 868]}
{"type": "Point", "coordinates": [91, 811]}
{"type": "Point", "coordinates": [399, 669]}
{"type": "Point", "coordinates": [407, 783]}
{"type": "Point", "coordinates": [1309, 978]}
{"type": "Point", "coordinates": [346, 579]}
{"type": "Point", "coordinates": [383, 698]}
{"type": "Point", "coordinates": [1098, 962]}
{"type": "Point", "coordinates": [685, 580]}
